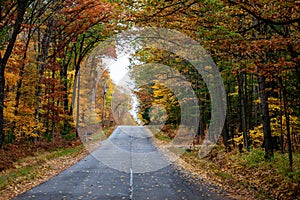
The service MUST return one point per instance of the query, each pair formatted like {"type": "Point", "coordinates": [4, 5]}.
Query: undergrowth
{"type": "Point", "coordinates": [249, 171]}
{"type": "Point", "coordinates": [162, 136]}
{"type": "Point", "coordinates": [28, 167]}
{"type": "Point", "coordinates": [10, 153]}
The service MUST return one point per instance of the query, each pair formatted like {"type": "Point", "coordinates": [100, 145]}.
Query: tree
{"type": "Point", "coordinates": [49, 47]}
{"type": "Point", "coordinates": [7, 9]}
{"type": "Point", "coordinates": [255, 40]}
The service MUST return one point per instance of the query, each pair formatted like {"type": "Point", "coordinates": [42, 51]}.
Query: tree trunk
{"type": "Point", "coordinates": [2, 86]}
{"type": "Point", "coordinates": [78, 101]}
{"type": "Point", "coordinates": [281, 122]}
{"type": "Point", "coordinates": [43, 49]}
{"type": "Point", "coordinates": [21, 8]}
{"type": "Point", "coordinates": [77, 61]}
{"type": "Point", "coordinates": [242, 110]}
{"type": "Point", "coordinates": [243, 104]}
{"type": "Point", "coordinates": [201, 130]}
{"type": "Point", "coordinates": [265, 117]}
{"type": "Point", "coordinates": [287, 118]}
{"type": "Point", "coordinates": [240, 93]}
{"type": "Point", "coordinates": [256, 107]}
{"type": "Point", "coordinates": [225, 133]}
{"type": "Point", "coordinates": [64, 83]}
{"type": "Point", "coordinates": [229, 120]}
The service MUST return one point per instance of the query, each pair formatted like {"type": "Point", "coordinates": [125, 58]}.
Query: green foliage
{"type": "Point", "coordinates": [69, 136]}
{"type": "Point", "coordinates": [162, 136]}
{"type": "Point", "coordinates": [4, 36]}
{"type": "Point", "coordinates": [224, 175]}
{"type": "Point", "coordinates": [254, 158]}
{"type": "Point", "coordinates": [67, 132]}
{"type": "Point", "coordinates": [248, 171]}
{"type": "Point", "coordinates": [24, 172]}
{"type": "Point", "coordinates": [280, 163]}
{"type": "Point", "coordinates": [3, 182]}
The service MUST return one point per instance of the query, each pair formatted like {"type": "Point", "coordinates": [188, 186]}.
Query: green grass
{"type": "Point", "coordinates": [30, 170]}
{"type": "Point", "coordinates": [253, 158]}
{"type": "Point", "coordinates": [24, 172]}
{"type": "Point", "coordinates": [224, 175]}
{"type": "Point", "coordinates": [63, 152]}
{"type": "Point", "coordinates": [280, 162]}
{"type": "Point", "coordinates": [3, 181]}
{"type": "Point", "coordinates": [163, 137]}
{"type": "Point", "coordinates": [249, 170]}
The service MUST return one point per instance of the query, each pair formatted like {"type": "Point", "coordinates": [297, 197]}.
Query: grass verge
{"type": "Point", "coordinates": [247, 175]}
{"type": "Point", "coordinates": [34, 165]}
{"type": "Point", "coordinates": [162, 137]}
{"type": "Point", "coordinates": [33, 170]}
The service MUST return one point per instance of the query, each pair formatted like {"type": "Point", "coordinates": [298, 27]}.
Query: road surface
{"type": "Point", "coordinates": [126, 166]}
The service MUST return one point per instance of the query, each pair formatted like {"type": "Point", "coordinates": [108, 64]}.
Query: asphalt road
{"type": "Point", "coordinates": [126, 166]}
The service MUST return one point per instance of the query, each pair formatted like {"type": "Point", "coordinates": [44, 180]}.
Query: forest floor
{"type": "Point", "coordinates": [245, 175]}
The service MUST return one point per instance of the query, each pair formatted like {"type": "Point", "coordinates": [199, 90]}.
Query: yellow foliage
{"type": "Point", "coordinates": [257, 101]}
{"type": "Point", "coordinates": [256, 136]}
{"type": "Point", "coordinates": [24, 126]}
{"type": "Point", "coordinates": [276, 125]}
{"type": "Point", "coordinates": [11, 78]}
{"type": "Point", "coordinates": [71, 73]}
{"type": "Point", "coordinates": [27, 129]}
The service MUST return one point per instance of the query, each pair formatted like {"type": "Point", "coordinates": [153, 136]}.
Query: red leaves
{"type": "Point", "coordinates": [79, 16]}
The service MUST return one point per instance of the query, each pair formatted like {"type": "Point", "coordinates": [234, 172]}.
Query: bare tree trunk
{"type": "Point", "coordinates": [229, 120]}
{"type": "Point", "coordinates": [225, 133]}
{"type": "Point", "coordinates": [265, 117]}
{"type": "Point", "coordinates": [241, 110]}
{"type": "Point", "coordinates": [243, 107]}
{"type": "Point", "coordinates": [240, 93]}
{"type": "Point", "coordinates": [256, 107]}
{"type": "Point", "coordinates": [43, 49]}
{"type": "Point", "coordinates": [53, 129]}
{"type": "Point", "coordinates": [281, 123]}
{"type": "Point", "coordinates": [64, 83]}
{"type": "Point", "coordinates": [78, 101]}
{"type": "Point", "coordinates": [201, 130]}
{"type": "Point", "coordinates": [78, 57]}
{"type": "Point", "coordinates": [287, 118]}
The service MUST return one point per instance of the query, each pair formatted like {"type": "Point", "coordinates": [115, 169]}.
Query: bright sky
{"type": "Point", "coordinates": [118, 72]}
{"type": "Point", "coordinates": [118, 68]}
